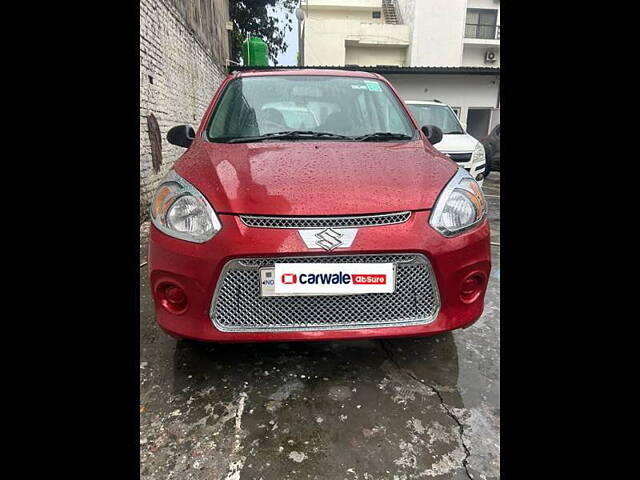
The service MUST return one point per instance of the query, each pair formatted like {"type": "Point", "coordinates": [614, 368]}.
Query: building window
{"type": "Point", "coordinates": [482, 24]}
{"type": "Point", "coordinates": [376, 14]}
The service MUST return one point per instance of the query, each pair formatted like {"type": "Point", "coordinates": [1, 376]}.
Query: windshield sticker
{"type": "Point", "coordinates": [359, 87]}
{"type": "Point", "coordinates": [373, 86]}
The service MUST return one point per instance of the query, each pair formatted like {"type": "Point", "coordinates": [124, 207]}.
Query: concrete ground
{"type": "Point", "coordinates": [392, 409]}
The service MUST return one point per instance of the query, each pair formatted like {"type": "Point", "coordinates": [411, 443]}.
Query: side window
{"type": "Point", "coordinates": [234, 118]}
{"type": "Point", "coordinates": [417, 112]}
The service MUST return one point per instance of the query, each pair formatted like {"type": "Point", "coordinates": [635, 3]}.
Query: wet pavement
{"type": "Point", "coordinates": [392, 409]}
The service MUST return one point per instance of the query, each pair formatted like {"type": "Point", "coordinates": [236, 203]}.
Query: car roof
{"type": "Point", "coordinates": [424, 102]}
{"type": "Point", "coordinates": [307, 71]}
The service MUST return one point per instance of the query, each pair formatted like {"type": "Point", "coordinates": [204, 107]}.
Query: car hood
{"type": "Point", "coordinates": [457, 143]}
{"type": "Point", "coordinates": [316, 178]}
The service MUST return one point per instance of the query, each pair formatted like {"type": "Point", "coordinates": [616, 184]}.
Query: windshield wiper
{"type": "Point", "coordinates": [289, 134]}
{"type": "Point", "coordinates": [382, 136]}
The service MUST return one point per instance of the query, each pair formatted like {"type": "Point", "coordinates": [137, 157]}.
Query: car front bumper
{"type": "Point", "coordinates": [197, 269]}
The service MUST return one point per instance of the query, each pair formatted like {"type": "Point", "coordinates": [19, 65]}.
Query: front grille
{"type": "Point", "coordinates": [460, 157]}
{"type": "Point", "coordinates": [325, 222]}
{"type": "Point", "coordinates": [238, 307]}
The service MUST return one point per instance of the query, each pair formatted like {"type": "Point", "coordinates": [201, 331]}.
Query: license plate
{"type": "Point", "coordinates": [291, 279]}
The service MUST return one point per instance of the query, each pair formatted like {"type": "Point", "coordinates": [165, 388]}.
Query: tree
{"type": "Point", "coordinates": [253, 17]}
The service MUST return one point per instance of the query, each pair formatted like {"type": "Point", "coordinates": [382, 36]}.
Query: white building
{"type": "Point", "coordinates": [352, 32]}
{"type": "Point", "coordinates": [452, 32]}
{"type": "Point", "coordinates": [407, 40]}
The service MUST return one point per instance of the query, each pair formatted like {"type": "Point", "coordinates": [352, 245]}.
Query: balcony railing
{"type": "Point", "coordinates": [487, 32]}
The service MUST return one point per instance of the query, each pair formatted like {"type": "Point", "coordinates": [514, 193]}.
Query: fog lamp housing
{"type": "Point", "coordinates": [471, 287]}
{"type": "Point", "coordinates": [172, 297]}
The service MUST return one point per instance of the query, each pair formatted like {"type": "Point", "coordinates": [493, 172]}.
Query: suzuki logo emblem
{"type": "Point", "coordinates": [329, 239]}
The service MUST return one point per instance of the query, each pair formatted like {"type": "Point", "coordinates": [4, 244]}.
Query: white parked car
{"type": "Point", "coordinates": [456, 143]}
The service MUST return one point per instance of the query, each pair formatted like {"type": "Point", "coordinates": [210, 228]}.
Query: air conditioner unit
{"type": "Point", "coordinates": [490, 56]}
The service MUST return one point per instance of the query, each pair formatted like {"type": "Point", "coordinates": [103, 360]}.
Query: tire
{"type": "Point", "coordinates": [487, 168]}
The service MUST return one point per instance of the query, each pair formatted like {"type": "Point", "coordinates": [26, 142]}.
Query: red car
{"type": "Point", "coordinates": [310, 205]}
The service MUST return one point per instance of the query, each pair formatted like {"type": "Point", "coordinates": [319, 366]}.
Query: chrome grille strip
{"type": "Point", "coordinates": [260, 221]}
{"type": "Point", "coordinates": [361, 258]}
{"type": "Point", "coordinates": [238, 307]}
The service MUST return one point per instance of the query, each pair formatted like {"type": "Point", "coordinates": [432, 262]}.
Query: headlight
{"type": "Point", "coordinates": [460, 206]}
{"type": "Point", "coordinates": [180, 210]}
{"type": "Point", "coordinates": [479, 155]}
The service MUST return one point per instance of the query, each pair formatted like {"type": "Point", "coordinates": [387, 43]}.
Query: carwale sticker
{"type": "Point", "coordinates": [331, 278]}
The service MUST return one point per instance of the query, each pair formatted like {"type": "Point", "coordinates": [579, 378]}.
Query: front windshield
{"type": "Point", "coordinates": [439, 115]}
{"type": "Point", "coordinates": [348, 106]}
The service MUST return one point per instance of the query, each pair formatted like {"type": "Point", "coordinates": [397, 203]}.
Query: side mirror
{"type": "Point", "coordinates": [433, 133]}
{"type": "Point", "coordinates": [182, 135]}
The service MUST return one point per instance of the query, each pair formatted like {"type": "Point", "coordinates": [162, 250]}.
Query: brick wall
{"type": "Point", "coordinates": [183, 49]}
